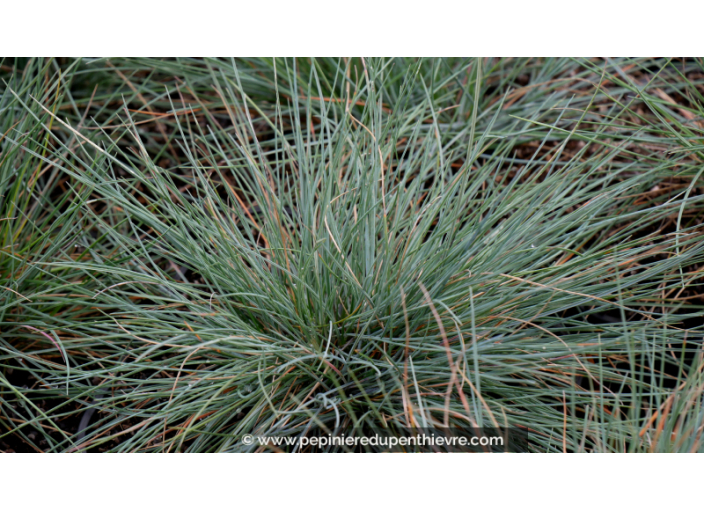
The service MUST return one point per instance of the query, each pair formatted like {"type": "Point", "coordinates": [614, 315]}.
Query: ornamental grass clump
{"type": "Point", "coordinates": [336, 247]}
